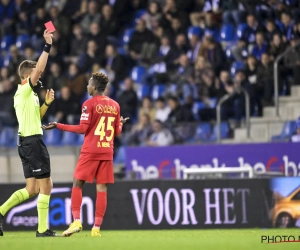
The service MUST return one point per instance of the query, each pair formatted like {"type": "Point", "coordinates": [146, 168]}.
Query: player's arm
{"type": "Point", "coordinates": [41, 64]}
{"type": "Point", "coordinates": [49, 98]}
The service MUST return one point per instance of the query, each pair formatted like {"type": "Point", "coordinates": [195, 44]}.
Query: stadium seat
{"type": "Point", "coordinates": [7, 41]}
{"type": "Point", "coordinates": [203, 132]}
{"type": "Point", "coordinates": [52, 137]}
{"type": "Point", "coordinates": [213, 33]}
{"type": "Point", "coordinates": [8, 137]}
{"type": "Point", "coordinates": [1, 62]}
{"type": "Point", "coordinates": [213, 102]}
{"type": "Point", "coordinates": [224, 132]}
{"type": "Point", "coordinates": [143, 90]}
{"type": "Point", "coordinates": [68, 139]}
{"type": "Point", "coordinates": [235, 66]}
{"type": "Point", "coordinates": [127, 35]}
{"type": "Point", "coordinates": [227, 33]}
{"type": "Point", "coordinates": [288, 130]}
{"type": "Point", "coordinates": [157, 91]}
{"type": "Point", "coordinates": [240, 30]}
{"type": "Point", "coordinates": [195, 30]}
{"type": "Point", "coordinates": [22, 41]}
{"type": "Point", "coordinates": [138, 74]}
{"type": "Point", "coordinates": [196, 107]}
{"type": "Point", "coordinates": [79, 140]}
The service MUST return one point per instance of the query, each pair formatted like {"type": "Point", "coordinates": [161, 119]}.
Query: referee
{"type": "Point", "coordinates": [32, 150]}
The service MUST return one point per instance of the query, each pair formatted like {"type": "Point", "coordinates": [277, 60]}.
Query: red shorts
{"type": "Point", "coordinates": [88, 170]}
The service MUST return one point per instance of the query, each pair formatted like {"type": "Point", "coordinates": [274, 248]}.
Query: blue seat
{"type": "Point", "coordinates": [227, 33]}
{"type": "Point", "coordinates": [203, 132]}
{"type": "Point", "coordinates": [213, 33]}
{"type": "Point", "coordinates": [22, 41]}
{"type": "Point", "coordinates": [195, 30]}
{"type": "Point", "coordinates": [127, 35]}
{"type": "Point", "coordinates": [7, 41]}
{"type": "Point", "coordinates": [52, 137]}
{"type": "Point", "coordinates": [68, 138]}
{"type": "Point", "coordinates": [288, 130]}
{"type": "Point", "coordinates": [240, 30]}
{"type": "Point", "coordinates": [196, 107]}
{"type": "Point", "coordinates": [143, 90]}
{"type": "Point", "coordinates": [225, 130]}
{"type": "Point", "coordinates": [120, 156]}
{"type": "Point", "coordinates": [138, 74]}
{"type": "Point", "coordinates": [80, 140]}
{"type": "Point", "coordinates": [1, 62]}
{"type": "Point", "coordinates": [235, 66]}
{"type": "Point", "coordinates": [8, 137]}
{"type": "Point", "coordinates": [157, 91]}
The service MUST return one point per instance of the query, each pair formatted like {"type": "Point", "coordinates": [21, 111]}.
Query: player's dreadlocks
{"type": "Point", "coordinates": [26, 67]}
{"type": "Point", "coordinates": [100, 81]}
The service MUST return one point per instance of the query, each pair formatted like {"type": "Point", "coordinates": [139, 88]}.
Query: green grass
{"type": "Point", "coordinates": [242, 239]}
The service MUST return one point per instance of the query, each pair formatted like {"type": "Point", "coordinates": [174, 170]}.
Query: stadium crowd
{"type": "Point", "coordinates": [169, 61]}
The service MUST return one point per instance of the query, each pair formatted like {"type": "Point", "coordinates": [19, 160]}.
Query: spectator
{"type": "Point", "coordinates": [37, 28]}
{"type": "Point", "coordinates": [91, 57]}
{"type": "Point", "coordinates": [162, 110]}
{"type": "Point", "coordinates": [7, 15]}
{"type": "Point", "coordinates": [55, 57]}
{"type": "Point", "coordinates": [67, 110]}
{"type": "Point", "coordinates": [153, 15]}
{"type": "Point", "coordinates": [15, 59]}
{"type": "Point", "coordinates": [59, 4]}
{"type": "Point", "coordinates": [175, 29]}
{"type": "Point", "coordinates": [292, 60]}
{"type": "Point", "coordinates": [23, 25]}
{"type": "Point", "coordinates": [195, 46]}
{"type": "Point", "coordinates": [296, 137]}
{"type": "Point", "coordinates": [78, 41]}
{"type": "Point", "coordinates": [122, 11]}
{"type": "Point", "coordinates": [288, 24]}
{"type": "Point", "coordinates": [108, 23]}
{"type": "Point", "coordinates": [61, 43]}
{"type": "Point", "coordinates": [76, 82]}
{"type": "Point", "coordinates": [260, 46]}
{"type": "Point", "coordinates": [215, 55]}
{"type": "Point", "coordinates": [96, 35]}
{"type": "Point", "coordinates": [181, 77]}
{"type": "Point", "coordinates": [271, 29]}
{"type": "Point", "coordinates": [21, 6]}
{"type": "Point", "coordinates": [172, 11]}
{"type": "Point", "coordinates": [252, 28]}
{"type": "Point", "coordinates": [61, 23]}
{"type": "Point", "coordinates": [277, 46]}
{"type": "Point", "coordinates": [178, 114]}
{"type": "Point", "coordinates": [4, 77]}
{"type": "Point", "coordinates": [141, 131]}
{"type": "Point", "coordinates": [142, 42]}
{"type": "Point", "coordinates": [7, 112]}
{"type": "Point", "coordinates": [147, 108]}
{"type": "Point", "coordinates": [128, 100]}
{"type": "Point", "coordinates": [240, 51]}
{"type": "Point", "coordinates": [30, 54]}
{"type": "Point", "coordinates": [265, 76]}
{"type": "Point", "coordinates": [115, 65]}
{"type": "Point", "coordinates": [92, 16]}
{"type": "Point", "coordinates": [55, 79]}
{"type": "Point", "coordinates": [160, 136]}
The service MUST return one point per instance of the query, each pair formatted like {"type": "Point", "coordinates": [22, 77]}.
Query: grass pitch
{"type": "Point", "coordinates": [242, 239]}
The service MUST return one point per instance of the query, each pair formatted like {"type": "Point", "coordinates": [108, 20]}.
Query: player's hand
{"type": "Point", "coordinates": [49, 98]}
{"type": "Point", "coordinates": [48, 36]}
{"type": "Point", "coordinates": [51, 125]}
{"type": "Point", "coordinates": [123, 120]}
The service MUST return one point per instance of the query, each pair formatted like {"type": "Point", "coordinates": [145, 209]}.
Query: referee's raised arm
{"type": "Point", "coordinates": [41, 64]}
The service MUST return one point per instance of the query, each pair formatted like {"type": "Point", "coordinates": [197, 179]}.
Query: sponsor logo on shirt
{"type": "Point", "coordinates": [84, 117]}
{"type": "Point", "coordinates": [107, 109]}
{"type": "Point", "coordinates": [84, 109]}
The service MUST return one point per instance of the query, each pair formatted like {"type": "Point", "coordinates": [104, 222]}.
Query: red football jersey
{"type": "Point", "coordinates": [102, 114]}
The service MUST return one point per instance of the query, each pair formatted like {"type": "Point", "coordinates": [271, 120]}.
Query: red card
{"type": "Point", "coordinates": [49, 26]}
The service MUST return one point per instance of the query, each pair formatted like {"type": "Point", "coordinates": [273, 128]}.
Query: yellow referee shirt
{"type": "Point", "coordinates": [27, 106]}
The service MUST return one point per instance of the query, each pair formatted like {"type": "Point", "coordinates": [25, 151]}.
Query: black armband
{"type": "Point", "coordinates": [47, 47]}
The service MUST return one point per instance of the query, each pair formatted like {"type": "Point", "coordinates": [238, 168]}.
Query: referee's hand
{"type": "Point", "coordinates": [51, 125]}
{"type": "Point", "coordinates": [49, 98]}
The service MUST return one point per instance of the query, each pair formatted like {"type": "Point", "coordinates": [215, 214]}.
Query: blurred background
{"type": "Point", "coordinates": [186, 72]}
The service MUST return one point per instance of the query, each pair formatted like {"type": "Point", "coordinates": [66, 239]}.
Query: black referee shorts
{"type": "Point", "coordinates": [35, 157]}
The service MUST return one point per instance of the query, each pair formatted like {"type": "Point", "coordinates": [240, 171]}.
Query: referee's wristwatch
{"type": "Point", "coordinates": [47, 104]}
